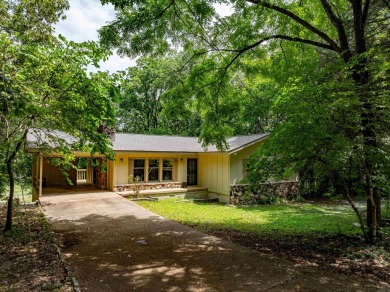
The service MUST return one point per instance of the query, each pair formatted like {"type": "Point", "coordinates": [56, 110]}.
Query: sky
{"type": "Point", "coordinates": [85, 17]}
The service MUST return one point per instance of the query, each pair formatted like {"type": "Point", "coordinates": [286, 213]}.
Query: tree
{"type": "Point", "coordinates": [318, 133]}
{"type": "Point", "coordinates": [151, 101]}
{"type": "Point", "coordinates": [31, 22]}
{"type": "Point", "coordinates": [45, 85]}
{"type": "Point", "coordinates": [353, 33]}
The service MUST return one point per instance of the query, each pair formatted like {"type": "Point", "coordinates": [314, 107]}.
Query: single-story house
{"type": "Point", "coordinates": [151, 164]}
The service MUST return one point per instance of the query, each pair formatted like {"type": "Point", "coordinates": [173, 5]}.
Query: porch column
{"type": "Point", "coordinates": [40, 173]}
{"type": "Point", "coordinates": [89, 175]}
{"type": "Point", "coordinates": [160, 170]}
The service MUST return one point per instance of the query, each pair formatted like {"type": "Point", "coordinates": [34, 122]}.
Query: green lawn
{"type": "Point", "coordinates": [285, 219]}
{"type": "Point", "coordinates": [19, 193]}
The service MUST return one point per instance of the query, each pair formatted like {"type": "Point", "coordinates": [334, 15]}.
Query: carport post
{"type": "Point", "coordinates": [40, 173]}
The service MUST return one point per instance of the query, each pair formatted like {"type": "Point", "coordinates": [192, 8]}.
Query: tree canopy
{"type": "Point", "coordinates": [44, 84]}
{"type": "Point", "coordinates": [151, 101]}
{"type": "Point", "coordinates": [317, 73]}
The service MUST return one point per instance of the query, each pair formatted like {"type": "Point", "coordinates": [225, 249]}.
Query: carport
{"type": "Point", "coordinates": [48, 176]}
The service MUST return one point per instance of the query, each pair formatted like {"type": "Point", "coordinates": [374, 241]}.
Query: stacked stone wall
{"type": "Point", "coordinates": [148, 186]}
{"type": "Point", "coordinates": [244, 194]}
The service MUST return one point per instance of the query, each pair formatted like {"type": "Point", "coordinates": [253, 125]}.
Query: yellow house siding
{"type": "Point", "coordinates": [213, 172]}
{"type": "Point", "coordinates": [236, 161]}
{"type": "Point", "coordinates": [53, 175]}
{"type": "Point", "coordinates": [110, 175]}
{"type": "Point", "coordinates": [121, 170]}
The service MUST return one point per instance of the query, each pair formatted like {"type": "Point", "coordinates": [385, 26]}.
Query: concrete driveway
{"type": "Point", "coordinates": [112, 244]}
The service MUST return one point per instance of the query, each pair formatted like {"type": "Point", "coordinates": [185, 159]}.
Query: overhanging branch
{"type": "Point", "coordinates": [282, 37]}
{"type": "Point", "coordinates": [299, 20]}
{"type": "Point", "coordinates": [338, 24]}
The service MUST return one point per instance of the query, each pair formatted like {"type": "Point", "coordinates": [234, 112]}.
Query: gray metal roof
{"type": "Point", "coordinates": [142, 143]}
{"type": "Point", "coordinates": [158, 143]}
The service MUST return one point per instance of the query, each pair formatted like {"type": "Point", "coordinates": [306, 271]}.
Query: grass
{"type": "Point", "coordinates": [19, 193]}
{"type": "Point", "coordinates": [283, 219]}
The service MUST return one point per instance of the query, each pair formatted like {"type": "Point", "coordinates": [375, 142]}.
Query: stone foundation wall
{"type": "Point", "coordinates": [242, 195]}
{"type": "Point", "coordinates": [149, 186]}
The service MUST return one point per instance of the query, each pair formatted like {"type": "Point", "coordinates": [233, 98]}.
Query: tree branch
{"type": "Point", "coordinates": [365, 12]}
{"type": "Point", "coordinates": [299, 20]}
{"type": "Point", "coordinates": [338, 24]}
{"type": "Point", "coordinates": [356, 210]}
{"type": "Point", "coordinates": [281, 37]}
{"type": "Point", "coordinates": [165, 10]}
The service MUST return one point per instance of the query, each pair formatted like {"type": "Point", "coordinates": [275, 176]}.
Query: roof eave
{"type": "Point", "coordinates": [248, 144]}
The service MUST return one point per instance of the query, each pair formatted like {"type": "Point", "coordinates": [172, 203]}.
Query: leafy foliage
{"type": "Point", "coordinates": [44, 85]}
{"type": "Point", "coordinates": [152, 100]}
{"type": "Point", "coordinates": [320, 84]}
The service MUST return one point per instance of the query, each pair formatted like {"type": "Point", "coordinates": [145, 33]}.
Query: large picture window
{"type": "Point", "coordinates": [139, 170]}
{"type": "Point", "coordinates": [153, 169]}
{"type": "Point", "coordinates": [167, 169]}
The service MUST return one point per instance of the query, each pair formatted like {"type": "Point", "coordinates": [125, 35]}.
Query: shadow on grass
{"type": "Point", "coordinates": [271, 220]}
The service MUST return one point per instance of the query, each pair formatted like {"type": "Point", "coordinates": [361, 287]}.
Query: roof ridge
{"type": "Point", "coordinates": [164, 135]}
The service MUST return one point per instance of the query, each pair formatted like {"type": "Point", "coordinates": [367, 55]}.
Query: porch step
{"type": "Point", "coordinates": [190, 191]}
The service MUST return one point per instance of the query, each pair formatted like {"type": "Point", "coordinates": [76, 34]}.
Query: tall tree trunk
{"type": "Point", "coordinates": [9, 161]}
{"type": "Point", "coordinates": [8, 223]}
{"type": "Point", "coordinates": [361, 77]}
{"type": "Point", "coordinates": [372, 222]}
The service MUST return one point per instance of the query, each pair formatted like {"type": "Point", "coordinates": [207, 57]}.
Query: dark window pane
{"type": "Point", "coordinates": [139, 163]}
{"type": "Point", "coordinates": [167, 163]}
{"type": "Point", "coordinates": [153, 174]}
{"type": "Point", "coordinates": [153, 162]}
{"type": "Point", "coordinates": [167, 174]}
{"type": "Point", "coordinates": [139, 173]}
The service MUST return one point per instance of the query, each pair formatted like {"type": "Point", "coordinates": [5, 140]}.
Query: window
{"type": "Point", "coordinates": [139, 170]}
{"type": "Point", "coordinates": [245, 168]}
{"type": "Point", "coordinates": [167, 169]}
{"type": "Point", "coordinates": [153, 169]}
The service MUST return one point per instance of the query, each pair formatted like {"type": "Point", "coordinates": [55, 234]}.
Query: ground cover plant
{"type": "Point", "coordinates": [28, 256]}
{"type": "Point", "coordinates": [325, 235]}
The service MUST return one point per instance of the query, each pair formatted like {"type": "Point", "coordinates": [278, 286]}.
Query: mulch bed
{"type": "Point", "coordinates": [345, 254]}
{"type": "Point", "coordinates": [28, 255]}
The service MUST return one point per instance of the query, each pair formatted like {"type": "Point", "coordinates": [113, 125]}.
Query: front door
{"type": "Point", "coordinates": [192, 172]}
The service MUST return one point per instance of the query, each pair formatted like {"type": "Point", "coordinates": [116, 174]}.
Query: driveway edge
{"type": "Point", "coordinates": [68, 271]}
